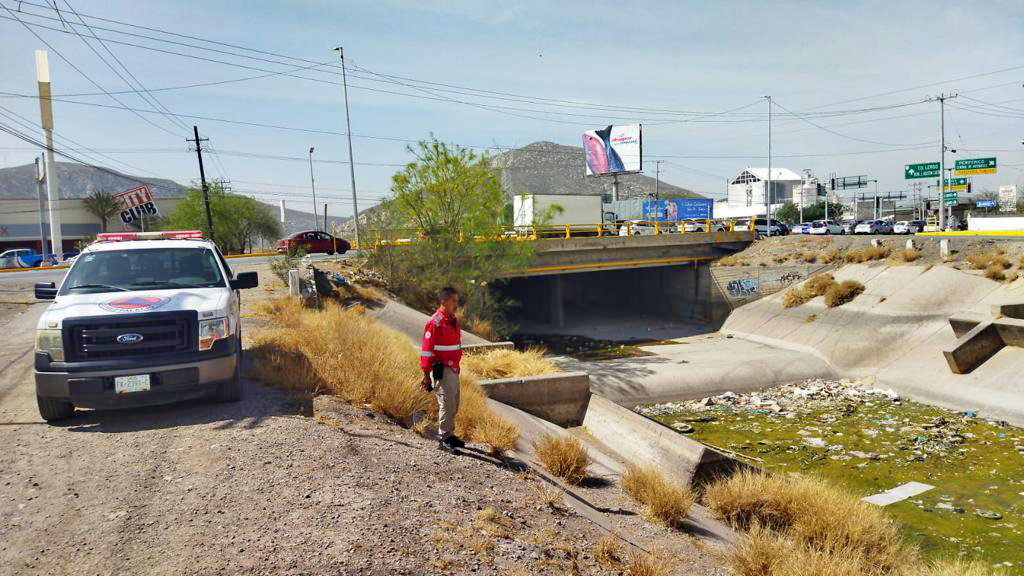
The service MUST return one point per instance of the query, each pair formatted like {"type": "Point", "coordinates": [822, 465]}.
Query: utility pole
{"type": "Point", "coordinates": [312, 184]}
{"type": "Point", "coordinates": [348, 132]}
{"type": "Point", "coordinates": [768, 185]}
{"type": "Point", "coordinates": [657, 178]}
{"type": "Point", "coordinates": [46, 117]}
{"type": "Point", "coordinates": [40, 181]}
{"type": "Point", "coordinates": [202, 178]}
{"type": "Point", "coordinates": [941, 98]}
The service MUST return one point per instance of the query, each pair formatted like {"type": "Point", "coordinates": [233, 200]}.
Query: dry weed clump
{"type": "Point", "coordinates": [908, 254]}
{"type": "Point", "coordinates": [809, 257]}
{"type": "Point", "coordinates": [608, 553]}
{"type": "Point", "coordinates": [565, 457]}
{"type": "Point", "coordinates": [343, 352]}
{"type": "Point", "coordinates": [955, 567]}
{"type": "Point", "coordinates": [643, 564]}
{"type": "Point", "coordinates": [663, 500]}
{"type": "Point", "coordinates": [995, 272]}
{"type": "Point", "coordinates": [867, 254]}
{"type": "Point", "coordinates": [830, 256]}
{"type": "Point", "coordinates": [986, 260]}
{"type": "Point", "coordinates": [794, 297]}
{"type": "Point", "coordinates": [504, 363]}
{"type": "Point", "coordinates": [731, 260]}
{"type": "Point", "coordinates": [818, 284]}
{"type": "Point", "coordinates": [804, 525]}
{"type": "Point", "coordinates": [845, 291]}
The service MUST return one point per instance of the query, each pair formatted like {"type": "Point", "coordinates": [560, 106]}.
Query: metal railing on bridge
{"type": "Point", "coordinates": [629, 229]}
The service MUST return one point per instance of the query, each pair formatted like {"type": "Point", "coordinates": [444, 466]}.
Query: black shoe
{"type": "Point", "coordinates": [445, 447]}
{"type": "Point", "coordinates": [455, 442]}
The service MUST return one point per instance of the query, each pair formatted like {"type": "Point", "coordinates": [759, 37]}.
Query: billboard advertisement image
{"type": "Point", "coordinates": [613, 150]}
{"type": "Point", "coordinates": [676, 210]}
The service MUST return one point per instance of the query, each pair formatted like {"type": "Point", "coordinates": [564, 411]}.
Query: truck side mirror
{"type": "Point", "coordinates": [242, 281]}
{"type": "Point", "coordinates": [46, 290]}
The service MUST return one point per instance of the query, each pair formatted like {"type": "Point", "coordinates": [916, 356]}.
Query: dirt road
{"type": "Point", "coordinates": [261, 487]}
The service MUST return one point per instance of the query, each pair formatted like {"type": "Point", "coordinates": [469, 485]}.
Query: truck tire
{"type": "Point", "coordinates": [52, 409]}
{"type": "Point", "coordinates": [231, 390]}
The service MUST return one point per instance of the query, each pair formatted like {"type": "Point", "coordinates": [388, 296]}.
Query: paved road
{"type": "Point", "coordinates": [56, 275]}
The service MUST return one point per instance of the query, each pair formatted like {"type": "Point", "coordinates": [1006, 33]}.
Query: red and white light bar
{"type": "Point", "coordinates": [168, 235]}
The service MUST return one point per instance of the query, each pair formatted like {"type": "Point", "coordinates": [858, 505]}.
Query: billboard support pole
{"type": "Point", "coordinates": [615, 187]}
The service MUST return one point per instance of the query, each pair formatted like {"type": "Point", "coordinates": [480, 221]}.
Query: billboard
{"type": "Point", "coordinates": [1008, 198]}
{"type": "Point", "coordinates": [613, 150]}
{"type": "Point", "coordinates": [679, 209]}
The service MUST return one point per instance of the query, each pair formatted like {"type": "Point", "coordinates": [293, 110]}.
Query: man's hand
{"type": "Point", "coordinates": [427, 384]}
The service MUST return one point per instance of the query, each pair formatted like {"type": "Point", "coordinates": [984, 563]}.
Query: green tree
{"type": "Point", "coordinates": [790, 213]}
{"type": "Point", "coordinates": [451, 202]}
{"type": "Point", "coordinates": [238, 221]}
{"type": "Point", "coordinates": [103, 205]}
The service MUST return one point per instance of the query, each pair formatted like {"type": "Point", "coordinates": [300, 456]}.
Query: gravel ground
{"type": "Point", "coordinates": [264, 486]}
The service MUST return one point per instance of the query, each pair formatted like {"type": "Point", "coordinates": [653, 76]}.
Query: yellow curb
{"type": "Point", "coordinates": [974, 233]}
{"type": "Point", "coordinates": [35, 269]}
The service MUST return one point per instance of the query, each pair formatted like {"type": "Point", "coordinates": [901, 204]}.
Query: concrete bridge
{"type": "Point", "coordinates": [573, 281]}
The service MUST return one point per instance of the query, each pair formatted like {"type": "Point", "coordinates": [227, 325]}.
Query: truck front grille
{"type": "Point", "coordinates": [96, 338]}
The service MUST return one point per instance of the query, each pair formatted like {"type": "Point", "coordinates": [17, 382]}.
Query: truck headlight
{"type": "Point", "coordinates": [212, 330]}
{"type": "Point", "coordinates": [51, 342]}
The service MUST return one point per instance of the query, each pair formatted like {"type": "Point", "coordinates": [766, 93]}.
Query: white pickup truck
{"type": "Point", "coordinates": [140, 319]}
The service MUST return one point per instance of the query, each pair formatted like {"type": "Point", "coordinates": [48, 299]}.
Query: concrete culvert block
{"type": "Point", "coordinates": [293, 282]}
{"type": "Point", "coordinates": [875, 243]}
{"type": "Point", "coordinates": [944, 250]}
{"type": "Point", "coordinates": [910, 244]}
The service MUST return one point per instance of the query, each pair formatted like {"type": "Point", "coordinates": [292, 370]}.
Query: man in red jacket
{"type": "Point", "coordinates": [439, 359]}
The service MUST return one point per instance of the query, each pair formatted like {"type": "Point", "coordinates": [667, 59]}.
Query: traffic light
{"type": "Point", "coordinates": [832, 184]}
{"type": "Point", "coordinates": [969, 187]}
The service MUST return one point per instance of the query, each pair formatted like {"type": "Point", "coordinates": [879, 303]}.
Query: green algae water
{"type": "Point", "coordinates": [871, 441]}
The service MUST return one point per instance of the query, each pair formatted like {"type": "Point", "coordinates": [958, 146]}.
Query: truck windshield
{"type": "Point", "coordinates": [147, 269]}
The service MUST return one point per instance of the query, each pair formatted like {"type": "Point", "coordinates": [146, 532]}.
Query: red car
{"type": "Point", "coordinates": [312, 241]}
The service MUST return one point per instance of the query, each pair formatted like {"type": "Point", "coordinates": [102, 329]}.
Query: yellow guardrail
{"type": "Point", "coordinates": [406, 236]}
{"type": "Point", "coordinates": [973, 233]}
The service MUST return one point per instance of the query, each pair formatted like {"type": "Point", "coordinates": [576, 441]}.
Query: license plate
{"type": "Point", "coordinates": [129, 384]}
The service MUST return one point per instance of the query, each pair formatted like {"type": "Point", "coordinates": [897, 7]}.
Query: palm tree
{"type": "Point", "coordinates": [102, 205]}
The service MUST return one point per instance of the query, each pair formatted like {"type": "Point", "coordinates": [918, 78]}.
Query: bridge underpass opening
{"type": "Point", "coordinates": [577, 302]}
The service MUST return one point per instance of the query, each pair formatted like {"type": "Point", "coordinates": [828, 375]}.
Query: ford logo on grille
{"type": "Point", "coordinates": [129, 338]}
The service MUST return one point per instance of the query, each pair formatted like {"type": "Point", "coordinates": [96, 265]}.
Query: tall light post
{"type": "Point", "coordinates": [312, 184]}
{"type": "Point", "coordinates": [768, 184]}
{"type": "Point", "coordinates": [348, 133]}
{"type": "Point", "coordinates": [52, 192]}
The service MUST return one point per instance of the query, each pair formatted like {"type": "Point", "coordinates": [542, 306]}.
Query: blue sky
{"type": "Point", "coordinates": [655, 58]}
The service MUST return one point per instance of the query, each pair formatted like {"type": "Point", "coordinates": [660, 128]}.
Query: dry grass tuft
{"type": "Point", "coordinates": [343, 352]}
{"type": "Point", "coordinates": [818, 284]}
{"type": "Point", "coordinates": [875, 253]}
{"type": "Point", "coordinates": [839, 294]}
{"type": "Point", "coordinates": [482, 328]}
{"type": "Point", "coordinates": [732, 260]}
{"type": "Point", "coordinates": [796, 523]}
{"type": "Point", "coordinates": [503, 363]}
{"type": "Point", "coordinates": [643, 564]}
{"type": "Point", "coordinates": [794, 297]}
{"type": "Point", "coordinates": [1012, 276]}
{"type": "Point", "coordinates": [663, 500]}
{"type": "Point", "coordinates": [995, 272]}
{"type": "Point", "coordinates": [908, 254]}
{"type": "Point", "coordinates": [608, 553]}
{"type": "Point", "coordinates": [565, 457]}
{"type": "Point", "coordinates": [780, 258]}
{"type": "Point", "coordinates": [830, 256]}
{"type": "Point", "coordinates": [955, 568]}
{"type": "Point", "coordinates": [810, 318]}
{"type": "Point", "coordinates": [809, 257]}
{"type": "Point", "coordinates": [986, 260]}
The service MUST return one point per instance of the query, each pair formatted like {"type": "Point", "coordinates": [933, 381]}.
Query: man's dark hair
{"type": "Point", "coordinates": [447, 292]}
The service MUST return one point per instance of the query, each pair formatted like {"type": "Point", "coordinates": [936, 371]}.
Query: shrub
{"type": "Point", "coordinates": [853, 256]}
{"type": "Point", "coordinates": [608, 553]}
{"type": "Point", "coordinates": [830, 256]}
{"type": "Point", "coordinates": [985, 260]}
{"type": "Point", "coordinates": [344, 352]}
{"type": "Point", "coordinates": [565, 457]}
{"type": "Point", "coordinates": [794, 296]}
{"type": "Point", "coordinates": [504, 363]}
{"type": "Point", "coordinates": [875, 253]}
{"type": "Point", "coordinates": [809, 257]}
{"type": "Point", "coordinates": [643, 564]}
{"type": "Point", "coordinates": [819, 284]}
{"type": "Point", "coordinates": [995, 272]}
{"type": "Point", "coordinates": [839, 294]}
{"type": "Point", "coordinates": [663, 500]}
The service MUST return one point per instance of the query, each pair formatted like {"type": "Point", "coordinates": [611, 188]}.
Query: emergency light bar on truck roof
{"type": "Point", "coordinates": [168, 235]}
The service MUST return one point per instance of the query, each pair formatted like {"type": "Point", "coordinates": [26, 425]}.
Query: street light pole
{"type": "Point", "coordinates": [312, 184]}
{"type": "Point", "coordinates": [348, 132]}
{"type": "Point", "coordinates": [768, 184]}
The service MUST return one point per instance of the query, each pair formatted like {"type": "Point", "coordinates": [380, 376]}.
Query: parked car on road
{"type": "Point", "coordinates": [850, 226]}
{"type": "Point", "coordinates": [312, 241]}
{"type": "Point", "coordinates": [873, 227]}
{"type": "Point", "coordinates": [908, 227]}
{"type": "Point", "coordinates": [802, 228]}
{"type": "Point", "coordinates": [825, 227]}
{"type": "Point", "coordinates": [777, 228]}
{"type": "Point", "coordinates": [701, 226]}
{"type": "Point", "coordinates": [638, 228]}
{"type": "Point", "coordinates": [24, 258]}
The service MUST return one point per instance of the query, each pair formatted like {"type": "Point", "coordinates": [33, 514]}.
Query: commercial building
{"type": "Point", "coordinates": [746, 192]}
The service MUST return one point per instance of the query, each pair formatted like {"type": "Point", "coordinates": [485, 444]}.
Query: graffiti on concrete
{"type": "Point", "coordinates": [742, 287]}
{"type": "Point", "coordinates": [791, 277]}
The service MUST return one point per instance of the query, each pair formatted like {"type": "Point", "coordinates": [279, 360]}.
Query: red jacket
{"type": "Point", "coordinates": [442, 342]}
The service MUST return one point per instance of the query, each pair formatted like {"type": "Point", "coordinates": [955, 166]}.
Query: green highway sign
{"type": "Point", "coordinates": [975, 166]}
{"type": "Point", "coordinates": [926, 170]}
{"type": "Point", "coordinates": [957, 184]}
{"type": "Point", "coordinates": [951, 198]}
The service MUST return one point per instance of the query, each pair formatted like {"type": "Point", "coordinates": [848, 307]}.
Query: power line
{"type": "Point", "coordinates": [840, 134]}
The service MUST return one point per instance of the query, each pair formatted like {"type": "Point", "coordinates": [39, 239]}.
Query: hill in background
{"type": "Point", "coordinates": [549, 168]}
{"type": "Point", "coordinates": [79, 180]}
